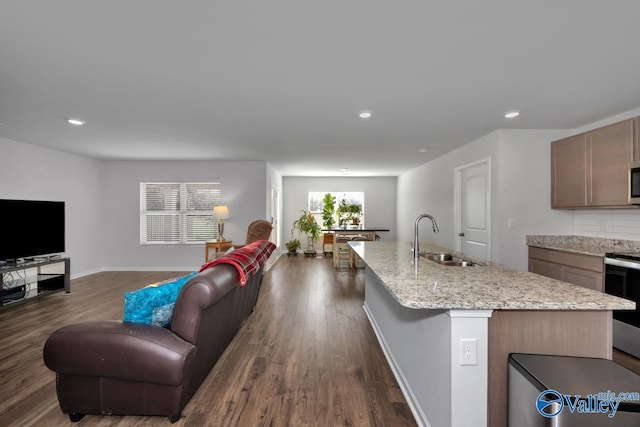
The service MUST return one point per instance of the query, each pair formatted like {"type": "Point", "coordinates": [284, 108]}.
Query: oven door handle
{"type": "Point", "coordinates": [622, 263]}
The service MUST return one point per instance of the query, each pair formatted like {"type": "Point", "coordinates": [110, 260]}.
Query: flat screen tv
{"type": "Point", "coordinates": [37, 228]}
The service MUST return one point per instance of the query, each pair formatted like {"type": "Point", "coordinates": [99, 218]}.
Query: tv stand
{"type": "Point", "coordinates": [21, 281]}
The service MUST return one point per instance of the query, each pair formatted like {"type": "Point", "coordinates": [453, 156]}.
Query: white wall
{"type": "Point", "coordinates": [243, 190]}
{"type": "Point", "coordinates": [102, 198]}
{"type": "Point", "coordinates": [35, 173]}
{"type": "Point", "coordinates": [520, 180]}
{"type": "Point", "coordinates": [429, 189]}
{"type": "Point", "coordinates": [380, 200]}
{"type": "Point", "coordinates": [102, 202]}
{"type": "Point", "coordinates": [522, 192]}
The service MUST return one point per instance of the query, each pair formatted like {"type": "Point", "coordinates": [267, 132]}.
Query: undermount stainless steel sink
{"type": "Point", "coordinates": [448, 259]}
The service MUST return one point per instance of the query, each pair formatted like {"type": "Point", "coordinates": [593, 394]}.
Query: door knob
{"type": "Point", "coordinates": [461, 234]}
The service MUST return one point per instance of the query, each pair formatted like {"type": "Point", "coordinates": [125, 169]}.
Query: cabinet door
{"type": "Point", "coordinates": [545, 268]}
{"type": "Point", "coordinates": [568, 172]}
{"type": "Point", "coordinates": [586, 278]}
{"type": "Point", "coordinates": [609, 151]}
{"type": "Point", "coordinates": [579, 269]}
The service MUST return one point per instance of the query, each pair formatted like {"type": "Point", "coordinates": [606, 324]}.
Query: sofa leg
{"type": "Point", "coordinates": [75, 417]}
{"type": "Point", "coordinates": [174, 418]}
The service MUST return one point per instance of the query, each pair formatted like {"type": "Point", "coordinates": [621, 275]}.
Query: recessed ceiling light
{"type": "Point", "coordinates": [511, 114]}
{"type": "Point", "coordinates": [423, 150]}
{"type": "Point", "coordinates": [75, 122]}
{"type": "Point", "coordinates": [365, 114]}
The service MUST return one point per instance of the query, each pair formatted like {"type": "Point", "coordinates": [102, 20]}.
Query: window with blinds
{"type": "Point", "coordinates": [174, 213]}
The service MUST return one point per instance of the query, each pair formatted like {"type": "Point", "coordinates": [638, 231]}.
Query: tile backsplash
{"type": "Point", "coordinates": [610, 224]}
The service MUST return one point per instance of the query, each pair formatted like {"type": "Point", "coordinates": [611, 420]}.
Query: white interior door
{"type": "Point", "coordinates": [473, 194]}
{"type": "Point", "coordinates": [275, 217]}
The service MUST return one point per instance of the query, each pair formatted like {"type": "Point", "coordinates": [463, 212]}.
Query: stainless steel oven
{"type": "Point", "coordinates": [622, 278]}
{"type": "Point", "coordinates": [634, 183]}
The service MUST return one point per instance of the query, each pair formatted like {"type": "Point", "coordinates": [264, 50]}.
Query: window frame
{"type": "Point", "coordinates": [182, 232]}
{"type": "Point", "coordinates": [350, 196]}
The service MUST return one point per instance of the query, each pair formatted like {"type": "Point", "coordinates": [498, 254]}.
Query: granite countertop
{"type": "Point", "coordinates": [594, 246]}
{"type": "Point", "coordinates": [490, 286]}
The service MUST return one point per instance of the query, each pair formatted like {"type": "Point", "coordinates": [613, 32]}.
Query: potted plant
{"type": "Point", "coordinates": [354, 214]}
{"type": "Point", "coordinates": [292, 246]}
{"type": "Point", "coordinates": [343, 213]}
{"type": "Point", "coordinates": [348, 213]}
{"type": "Point", "coordinates": [306, 224]}
{"type": "Point", "coordinates": [328, 202]}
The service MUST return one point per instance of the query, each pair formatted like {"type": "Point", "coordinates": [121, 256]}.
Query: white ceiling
{"type": "Point", "coordinates": [283, 81]}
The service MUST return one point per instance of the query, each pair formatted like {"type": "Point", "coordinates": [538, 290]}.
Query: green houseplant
{"type": "Point", "coordinates": [343, 214]}
{"type": "Point", "coordinates": [328, 209]}
{"type": "Point", "coordinates": [292, 246]}
{"type": "Point", "coordinates": [306, 224]}
{"type": "Point", "coordinates": [348, 213]}
{"type": "Point", "coordinates": [354, 213]}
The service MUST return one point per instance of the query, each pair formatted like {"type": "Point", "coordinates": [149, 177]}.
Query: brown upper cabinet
{"type": "Point", "coordinates": [609, 151]}
{"type": "Point", "coordinates": [569, 172]}
{"type": "Point", "coordinates": [590, 170]}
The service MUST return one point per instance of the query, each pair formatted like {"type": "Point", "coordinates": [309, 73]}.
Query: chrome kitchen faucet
{"type": "Point", "coordinates": [416, 245]}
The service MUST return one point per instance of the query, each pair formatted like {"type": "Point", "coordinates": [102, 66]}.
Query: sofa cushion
{"type": "Point", "coordinates": [153, 304]}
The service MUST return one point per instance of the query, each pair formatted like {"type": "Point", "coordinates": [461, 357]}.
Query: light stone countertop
{"type": "Point", "coordinates": [490, 286]}
{"type": "Point", "coordinates": [595, 246]}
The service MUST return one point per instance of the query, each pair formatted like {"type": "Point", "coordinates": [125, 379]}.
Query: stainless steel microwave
{"type": "Point", "coordinates": [634, 183]}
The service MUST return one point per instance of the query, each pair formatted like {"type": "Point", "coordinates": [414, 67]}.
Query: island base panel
{"type": "Point", "coordinates": [566, 333]}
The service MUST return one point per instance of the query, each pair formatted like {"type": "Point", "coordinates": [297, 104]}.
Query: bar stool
{"type": "Point", "coordinates": [327, 239]}
{"type": "Point", "coordinates": [341, 251]}
{"type": "Point", "coordinates": [354, 260]}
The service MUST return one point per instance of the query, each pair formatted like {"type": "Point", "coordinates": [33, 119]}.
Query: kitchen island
{"type": "Point", "coordinates": [425, 316]}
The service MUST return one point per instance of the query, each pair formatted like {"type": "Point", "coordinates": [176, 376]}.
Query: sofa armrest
{"type": "Point", "coordinates": [119, 350]}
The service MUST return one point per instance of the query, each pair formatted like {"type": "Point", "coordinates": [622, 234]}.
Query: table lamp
{"type": "Point", "coordinates": [221, 213]}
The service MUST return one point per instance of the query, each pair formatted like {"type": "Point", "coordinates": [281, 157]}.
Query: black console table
{"type": "Point", "coordinates": [24, 280]}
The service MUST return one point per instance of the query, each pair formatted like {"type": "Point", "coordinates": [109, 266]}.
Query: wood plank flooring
{"type": "Point", "coordinates": [307, 356]}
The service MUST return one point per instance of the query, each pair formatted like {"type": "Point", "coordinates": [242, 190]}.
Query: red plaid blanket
{"type": "Point", "coordinates": [247, 259]}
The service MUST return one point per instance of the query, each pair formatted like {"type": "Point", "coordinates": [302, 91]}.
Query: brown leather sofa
{"type": "Point", "coordinates": [116, 367]}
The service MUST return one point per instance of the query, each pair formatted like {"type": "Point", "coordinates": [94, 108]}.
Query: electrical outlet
{"type": "Point", "coordinates": [468, 351]}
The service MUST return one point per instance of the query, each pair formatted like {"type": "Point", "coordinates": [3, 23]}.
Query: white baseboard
{"type": "Point", "coordinates": [86, 273]}
{"type": "Point", "coordinates": [103, 269]}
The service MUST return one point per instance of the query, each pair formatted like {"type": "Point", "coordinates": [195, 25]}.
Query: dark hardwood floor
{"type": "Point", "coordinates": [307, 356]}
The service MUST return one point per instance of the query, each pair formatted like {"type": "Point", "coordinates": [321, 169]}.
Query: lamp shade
{"type": "Point", "coordinates": [221, 212]}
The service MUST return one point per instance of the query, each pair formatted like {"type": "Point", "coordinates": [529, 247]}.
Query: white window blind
{"type": "Point", "coordinates": [173, 213]}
